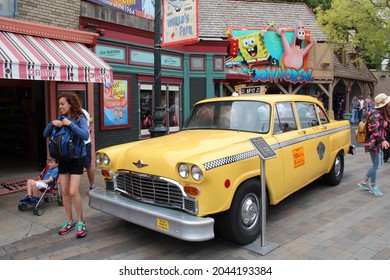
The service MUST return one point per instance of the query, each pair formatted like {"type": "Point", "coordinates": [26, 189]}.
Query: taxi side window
{"type": "Point", "coordinates": [284, 118]}
{"type": "Point", "coordinates": [323, 117]}
{"type": "Point", "coordinates": [307, 113]}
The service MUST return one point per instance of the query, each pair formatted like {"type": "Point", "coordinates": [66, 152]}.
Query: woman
{"type": "Point", "coordinates": [355, 106]}
{"type": "Point", "coordinates": [70, 172]}
{"type": "Point", "coordinates": [378, 124]}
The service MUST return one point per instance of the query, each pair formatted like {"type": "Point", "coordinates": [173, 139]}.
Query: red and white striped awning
{"type": "Point", "coordinates": [28, 57]}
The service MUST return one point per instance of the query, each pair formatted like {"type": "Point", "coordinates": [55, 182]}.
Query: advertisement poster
{"type": "Point", "coordinates": [141, 8]}
{"type": "Point", "coordinates": [116, 105]}
{"type": "Point", "coordinates": [180, 22]}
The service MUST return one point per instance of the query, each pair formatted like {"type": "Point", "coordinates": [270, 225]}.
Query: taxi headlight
{"type": "Point", "coordinates": [183, 170]}
{"type": "Point", "coordinates": [106, 160]}
{"type": "Point", "coordinates": [99, 159]}
{"type": "Point", "coordinates": [196, 173]}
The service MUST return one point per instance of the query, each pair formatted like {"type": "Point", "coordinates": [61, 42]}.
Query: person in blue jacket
{"type": "Point", "coordinates": [70, 172]}
{"type": "Point", "coordinates": [45, 182]}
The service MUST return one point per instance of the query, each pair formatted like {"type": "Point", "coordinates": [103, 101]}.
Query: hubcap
{"type": "Point", "coordinates": [337, 166]}
{"type": "Point", "coordinates": [250, 211]}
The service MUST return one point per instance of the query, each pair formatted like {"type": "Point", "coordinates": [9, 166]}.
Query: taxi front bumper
{"type": "Point", "coordinates": [167, 221]}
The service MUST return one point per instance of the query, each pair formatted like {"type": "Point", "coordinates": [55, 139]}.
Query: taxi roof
{"type": "Point", "coordinates": [269, 98]}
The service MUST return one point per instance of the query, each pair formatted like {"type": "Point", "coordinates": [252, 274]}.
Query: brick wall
{"type": "Point", "coordinates": [53, 12]}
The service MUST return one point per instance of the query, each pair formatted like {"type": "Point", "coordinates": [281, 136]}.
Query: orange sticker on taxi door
{"type": "Point", "coordinates": [298, 157]}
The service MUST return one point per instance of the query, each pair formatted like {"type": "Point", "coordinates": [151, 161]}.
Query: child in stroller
{"type": "Point", "coordinates": [45, 183]}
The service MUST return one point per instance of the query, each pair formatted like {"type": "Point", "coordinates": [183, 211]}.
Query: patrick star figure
{"type": "Point", "coordinates": [294, 54]}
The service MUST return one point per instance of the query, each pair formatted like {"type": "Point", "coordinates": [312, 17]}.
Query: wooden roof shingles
{"type": "Point", "coordinates": [215, 16]}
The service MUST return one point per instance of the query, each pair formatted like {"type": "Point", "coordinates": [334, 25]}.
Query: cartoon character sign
{"type": "Point", "coordinates": [272, 54]}
{"type": "Point", "coordinates": [176, 4]}
{"type": "Point", "coordinates": [294, 54]}
{"type": "Point", "coordinates": [252, 48]}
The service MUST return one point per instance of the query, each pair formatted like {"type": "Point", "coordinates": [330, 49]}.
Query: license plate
{"type": "Point", "coordinates": [162, 224]}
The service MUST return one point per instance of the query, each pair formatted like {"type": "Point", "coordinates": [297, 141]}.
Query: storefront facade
{"type": "Point", "coordinates": [123, 110]}
{"type": "Point", "coordinates": [37, 63]}
{"type": "Point", "coordinates": [206, 69]}
{"type": "Point", "coordinates": [121, 98]}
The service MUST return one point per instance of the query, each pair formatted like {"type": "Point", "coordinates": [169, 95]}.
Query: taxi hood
{"type": "Point", "coordinates": [192, 146]}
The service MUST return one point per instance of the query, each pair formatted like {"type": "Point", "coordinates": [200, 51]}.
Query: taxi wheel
{"type": "Point", "coordinates": [241, 224]}
{"type": "Point", "coordinates": [333, 178]}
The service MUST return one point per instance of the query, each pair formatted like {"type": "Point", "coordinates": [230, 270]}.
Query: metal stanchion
{"type": "Point", "coordinates": [265, 152]}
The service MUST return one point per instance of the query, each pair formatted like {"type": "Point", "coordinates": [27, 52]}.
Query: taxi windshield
{"type": "Point", "coordinates": [253, 116]}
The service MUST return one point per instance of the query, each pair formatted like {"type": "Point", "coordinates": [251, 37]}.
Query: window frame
{"type": "Point", "coordinates": [13, 10]}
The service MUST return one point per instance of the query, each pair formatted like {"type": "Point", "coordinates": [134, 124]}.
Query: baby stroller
{"type": "Point", "coordinates": [53, 191]}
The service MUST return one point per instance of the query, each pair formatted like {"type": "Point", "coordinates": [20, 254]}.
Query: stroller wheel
{"type": "Point", "coordinates": [22, 207]}
{"type": "Point", "coordinates": [60, 203]}
{"type": "Point", "coordinates": [48, 199]}
{"type": "Point", "coordinates": [38, 212]}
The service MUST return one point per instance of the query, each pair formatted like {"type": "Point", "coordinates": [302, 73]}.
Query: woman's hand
{"type": "Point", "coordinates": [385, 145]}
{"type": "Point", "coordinates": [57, 123]}
{"type": "Point", "coordinates": [66, 122]}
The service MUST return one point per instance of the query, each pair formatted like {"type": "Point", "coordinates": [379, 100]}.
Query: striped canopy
{"type": "Point", "coordinates": [28, 57]}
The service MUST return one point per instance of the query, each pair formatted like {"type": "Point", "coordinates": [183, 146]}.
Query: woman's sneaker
{"type": "Point", "coordinates": [81, 230]}
{"type": "Point", "coordinates": [376, 191]}
{"type": "Point", "coordinates": [364, 186]}
{"type": "Point", "coordinates": [66, 227]}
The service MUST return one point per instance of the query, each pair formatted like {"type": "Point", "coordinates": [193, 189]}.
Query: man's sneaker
{"type": "Point", "coordinates": [81, 230]}
{"type": "Point", "coordinates": [91, 187]}
{"type": "Point", "coordinates": [376, 191]}
{"type": "Point", "coordinates": [364, 186]}
{"type": "Point", "coordinates": [66, 227]}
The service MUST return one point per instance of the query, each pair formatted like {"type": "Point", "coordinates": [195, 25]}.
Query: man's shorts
{"type": "Point", "coordinates": [87, 160]}
{"type": "Point", "coordinates": [74, 166]}
{"type": "Point", "coordinates": [41, 185]}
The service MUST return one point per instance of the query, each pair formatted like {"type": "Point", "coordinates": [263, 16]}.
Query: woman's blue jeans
{"type": "Point", "coordinates": [376, 163]}
{"type": "Point", "coordinates": [355, 117]}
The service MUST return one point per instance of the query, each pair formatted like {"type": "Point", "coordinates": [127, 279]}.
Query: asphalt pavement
{"type": "Point", "coordinates": [316, 223]}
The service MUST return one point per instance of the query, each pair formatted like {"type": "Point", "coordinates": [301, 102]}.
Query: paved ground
{"type": "Point", "coordinates": [316, 223]}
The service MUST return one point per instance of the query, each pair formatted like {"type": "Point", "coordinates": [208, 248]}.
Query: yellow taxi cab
{"type": "Point", "coordinates": [205, 179]}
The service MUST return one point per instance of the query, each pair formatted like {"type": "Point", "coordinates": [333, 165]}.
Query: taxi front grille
{"type": "Point", "coordinates": [154, 190]}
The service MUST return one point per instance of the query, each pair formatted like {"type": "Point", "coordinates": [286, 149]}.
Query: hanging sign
{"type": "Point", "coordinates": [180, 22]}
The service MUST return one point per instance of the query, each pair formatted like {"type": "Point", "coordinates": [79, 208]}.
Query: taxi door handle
{"type": "Point", "coordinates": [323, 127]}
{"type": "Point", "coordinates": [302, 132]}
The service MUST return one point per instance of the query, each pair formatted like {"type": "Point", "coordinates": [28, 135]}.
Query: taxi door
{"type": "Point", "coordinates": [293, 162]}
{"type": "Point", "coordinates": [314, 125]}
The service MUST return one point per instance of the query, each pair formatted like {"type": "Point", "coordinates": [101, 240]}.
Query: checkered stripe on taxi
{"type": "Point", "coordinates": [230, 159]}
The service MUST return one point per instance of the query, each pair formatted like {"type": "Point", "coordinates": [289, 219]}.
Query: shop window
{"type": "Point", "coordinates": [146, 110]}
{"type": "Point", "coordinates": [197, 63]}
{"type": "Point", "coordinates": [9, 8]}
{"type": "Point", "coordinates": [170, 102]}
{"type": "Point", "coordinates": [219, 64]}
